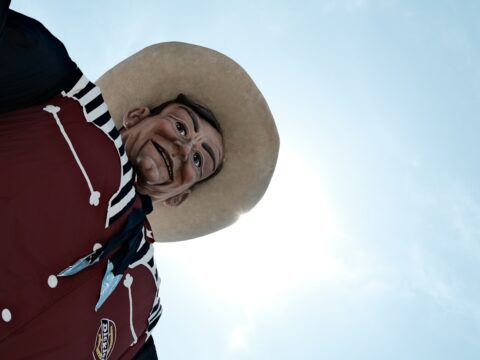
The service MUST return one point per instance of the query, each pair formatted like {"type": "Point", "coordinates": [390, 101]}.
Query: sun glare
{"type": "Point", "coordinates": [281, 243]}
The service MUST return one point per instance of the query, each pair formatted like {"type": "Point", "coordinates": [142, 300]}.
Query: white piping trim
{"type": "Point", "coordinates": [94, 195]}
{"type": "Point", "coordinates": [106, 128]}
{"type": "Point", "coordinates": [153, 316]}
{"type": "Point", "coordinates": [128, 284]}
{"type": "Point", "coordinates": [144, 261]}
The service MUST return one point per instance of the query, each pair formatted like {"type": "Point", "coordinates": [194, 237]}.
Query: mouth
{"type": "Point", "coordinates": [166, 159]}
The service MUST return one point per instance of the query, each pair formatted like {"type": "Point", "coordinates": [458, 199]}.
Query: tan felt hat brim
{"type": "Point", "coordinates": [159, 73]}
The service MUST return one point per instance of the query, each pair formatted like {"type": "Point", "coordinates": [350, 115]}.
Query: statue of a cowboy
{"type": "Point", "coordinates": [171, 144]}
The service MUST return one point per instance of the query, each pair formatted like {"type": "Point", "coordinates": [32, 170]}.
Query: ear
{"type": "Point", "coordinates": [177, 199]}
{"type": "Point", "coordinates": [134, 116]}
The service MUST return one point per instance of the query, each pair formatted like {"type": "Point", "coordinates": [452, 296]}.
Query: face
{"type": "Point", "coordinates": [171, 151]}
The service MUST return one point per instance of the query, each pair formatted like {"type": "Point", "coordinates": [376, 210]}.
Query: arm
{"type": "Point", "coordinates": [34, 64]}
{"type": "Point", "coordinates": [4, 4]}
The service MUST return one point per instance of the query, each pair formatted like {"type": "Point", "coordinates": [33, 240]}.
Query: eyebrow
{"type": "Point", "coordinates": [211, 153]}
{"type": "Point", "coordinates": [192, 115]}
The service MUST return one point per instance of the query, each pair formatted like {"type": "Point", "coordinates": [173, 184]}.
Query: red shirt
{"type": "Point", "coordinates": [48, 221]}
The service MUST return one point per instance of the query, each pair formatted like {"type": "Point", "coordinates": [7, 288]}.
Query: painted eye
{"type": "Point", "coordinates": [181, 128]}
{"type": "Point", "coordinates": [197, 160]}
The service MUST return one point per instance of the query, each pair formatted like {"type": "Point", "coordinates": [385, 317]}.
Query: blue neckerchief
{"type": "Point", "coordinates": [125, 248]}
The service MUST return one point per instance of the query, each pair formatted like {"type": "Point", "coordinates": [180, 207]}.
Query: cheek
{"type": "Point", "coordinates": [164, 129]}
{"type": "Point", "coordinates": [149, 170]}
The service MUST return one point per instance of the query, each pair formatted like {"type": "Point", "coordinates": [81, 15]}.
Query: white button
{"type": "Point", "coordinates": [6, 315]}
{"type": "Point", "coordinates": [97, 246]}
{"type": "Point", "coordinates": [52, 281]}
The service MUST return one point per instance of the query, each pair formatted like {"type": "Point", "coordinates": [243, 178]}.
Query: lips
{"type": "Point", "coordinates": [166, 159]}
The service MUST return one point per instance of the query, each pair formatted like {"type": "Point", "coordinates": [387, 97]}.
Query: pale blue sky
{"type": "Point", "coordinates": [367, 244]}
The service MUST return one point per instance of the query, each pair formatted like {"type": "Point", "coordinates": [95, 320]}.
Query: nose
{"type": "Point", "coordinates": [184, 149]}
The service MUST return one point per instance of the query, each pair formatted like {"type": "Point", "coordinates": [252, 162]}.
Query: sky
{"type": "Point", "coordinates": [367, 243]}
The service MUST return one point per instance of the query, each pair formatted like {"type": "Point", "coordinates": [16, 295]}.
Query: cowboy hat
{"type": "Point", "coordinates": [158, 74]}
